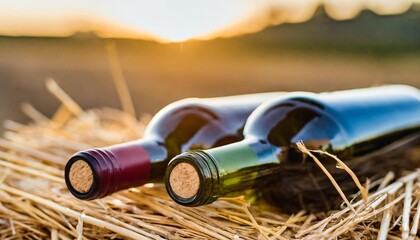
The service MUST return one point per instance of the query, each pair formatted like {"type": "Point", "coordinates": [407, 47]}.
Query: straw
{"type": "Point", "coordinates": [35, 203]}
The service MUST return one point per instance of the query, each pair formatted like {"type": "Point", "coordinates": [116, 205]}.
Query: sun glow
{"type": "Point", "coordinates": [172, 21]}
{"type": "Point", "coordinates": [180, 20]}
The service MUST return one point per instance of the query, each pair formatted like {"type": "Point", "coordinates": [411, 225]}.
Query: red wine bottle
{"type": "Point", "coordinates": [363, 127]}
{"type": "Point", "coordinates": [180, 126]}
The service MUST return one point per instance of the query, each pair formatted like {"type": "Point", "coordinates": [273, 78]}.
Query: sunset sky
{"type": "Point", "coordinates": [173, 21]}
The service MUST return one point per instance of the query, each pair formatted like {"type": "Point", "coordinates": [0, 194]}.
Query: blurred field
{"type": "Point", "coordinates": [318, 55]}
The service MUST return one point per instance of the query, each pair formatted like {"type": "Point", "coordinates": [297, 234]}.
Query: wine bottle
{"type": "Point", "coordinates": [183, 125]}
{"type": "Point", "coordinates": [363, 127]}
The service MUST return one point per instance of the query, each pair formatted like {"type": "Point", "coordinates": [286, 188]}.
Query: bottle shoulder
{"type": "Point", "coordinates": [296, 117]}
{"type": "Point", "coordinates": [190, 111]}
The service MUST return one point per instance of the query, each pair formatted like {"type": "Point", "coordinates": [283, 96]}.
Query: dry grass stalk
{"type": "Point", "coordinates": [364, 191]}
{"type": "Point", "coordinates": [65, 99]}
{"type": "Point", "coordinates": [33, 114]}
{"type": "Point", "coordinates": [386, 219]}
{"type": "Point", "coordinates": [415, 227]}
{"type": "Point", "coordinates": [118, 76]}
{"type": "Point", "coordinates": [35, 204]}
{"type": "Point", "coordinates": [303, 149]}
{"type": "Point", "coordinates": [405, 228]}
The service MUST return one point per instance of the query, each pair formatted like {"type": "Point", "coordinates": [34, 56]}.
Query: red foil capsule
{"type": "Point", "coordinates": [113, 168]}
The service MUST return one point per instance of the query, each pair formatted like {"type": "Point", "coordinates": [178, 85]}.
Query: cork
{"type": "Point", "coordinates": [81, 176]}
{"type": "Point", "coordinates": [184, 180]}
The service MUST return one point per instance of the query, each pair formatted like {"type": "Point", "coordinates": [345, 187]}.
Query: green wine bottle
{"type": "Point", "coordinates": [363, 127]}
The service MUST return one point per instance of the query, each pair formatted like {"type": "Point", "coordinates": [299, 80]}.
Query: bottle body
{"type": "Point", "coordinates": [183, 125]}
{"type": "Point", "coordinates": [354, 125]}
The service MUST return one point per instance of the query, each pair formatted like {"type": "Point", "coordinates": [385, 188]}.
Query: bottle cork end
{"type": "Point", "coordinates": [81, 176]}
{"type": "Point", "coordinates": [184, 180]}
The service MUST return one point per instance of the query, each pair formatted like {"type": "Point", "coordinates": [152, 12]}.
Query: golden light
{"type": "Point", "coordinates": [343, 9]}
{"type": "Point", "coordinates": [175, 21]}
{"type": "Point", "coordinates": [172, 21]}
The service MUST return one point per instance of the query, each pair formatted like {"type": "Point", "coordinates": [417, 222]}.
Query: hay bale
{"type": "Point", "coordinates": [36, 204]}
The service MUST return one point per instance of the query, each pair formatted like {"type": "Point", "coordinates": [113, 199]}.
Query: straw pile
{"type": "Point", "coordinates": [35, 204]}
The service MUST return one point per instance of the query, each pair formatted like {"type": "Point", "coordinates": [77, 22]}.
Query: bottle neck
{"type": "Point", "coordinates": [158, 156]}
{"type": "Point", "coordinates": [110, 169]}
{"type": "Point", "coordinates": [225, 171]}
